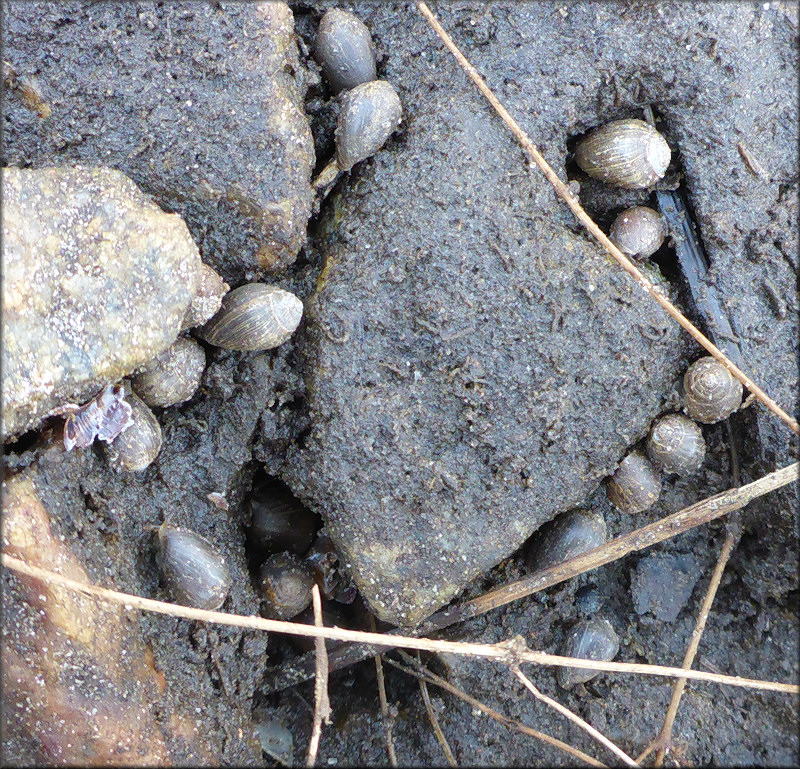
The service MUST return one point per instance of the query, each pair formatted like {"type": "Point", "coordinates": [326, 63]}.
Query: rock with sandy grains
{"type": "Point", "coordinates": [96, 282]}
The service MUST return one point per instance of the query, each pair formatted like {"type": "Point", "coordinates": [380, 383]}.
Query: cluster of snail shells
{"type": "Point", "coordinates": [675, 443]}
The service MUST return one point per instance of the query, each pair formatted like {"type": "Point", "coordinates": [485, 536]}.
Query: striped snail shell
{"type": "Point", "coordinates": [635, 485]}
{"type": "Point", "coordinates": [676, 444]}
{"type": "Point", "coordinates": [638, 231]}
{"type": "Point", "coordinates": [712, 392]}
{"type": "Point", "coordinates": [173, 376]}
{"type": "Point", "coordinates": [344, 50]}
{"type": "Point", "coordinates": [137, 447]}
{"type": "Point", "coordinates": [591, 639]}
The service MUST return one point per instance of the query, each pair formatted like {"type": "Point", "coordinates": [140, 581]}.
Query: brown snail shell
{"type": "Point", "coordinates": [638, 231]}
{"type": "Point", "coordinates": [207, 298]}
{"type": "Point", "coordinates": [570, 534]}
{"type": "Point", "coordinates": [712, 392]}
{"type": "Point", "coordinates": [635, 485]}
{"type": "Point", "coordinates": [137, 447]}
{"type": "Point", "coordinates": [676, 444]}
{"type": "Point", "coordinates": [254, 316]}
{"type": "Point", "coordinates": [624, 153]}
{"type": "Point", "coordinates": [344, 50]}
{"type": "Point", "coordinates": [591, 639]}
{"type": "Point", "coordinates": [173, 376]}
{"type": "Point", "coordinates": [285, 584]}
{"type": "Point", "coordinates": [192, 570]}
{"type": "Point", "coordinates": [370, 114]}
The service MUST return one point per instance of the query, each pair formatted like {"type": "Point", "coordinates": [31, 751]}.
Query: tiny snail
{"type": "Point", "coordinates": [280, 521]}
{"type": "Point", "coordinates": [676, 444]}
{"type": "Point", "coordinates": [192, 570]}
{"type": "Point", "coordinates": [344, 50]}
{"type": "Point", "coordinates": [635, 485]}
{"type": "Point", "coordinates": [591, 639]}
{"type": "Point", "coordinates": [285, 584]}
{"type": "Point", "coordinates": [254, 316]}
{"type": "Point", "coordinates": [206, 300]}
{"type": "Point", "coordinates": [137, 447]}
{"type": "Point", "coordinates": [570, 534]}
{"type": "Point", "coordinates": [638, 231]}
{"type": "Point", "coordinates": [173, 376]}
{"type": "Point", "coordinates": [624, 153]}
{"type": "Point", "coordinates": [712, 392]}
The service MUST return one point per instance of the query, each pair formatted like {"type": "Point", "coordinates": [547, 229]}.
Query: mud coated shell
{"type": "Point", "coordinates": [254, 316]}
{"type": "Point", "coordinates": [591, 639]}
{"type": "Point", "coordinates": [206, 300]}
{"type": "Point", "coordinates": [137, 447]}
{"type": "Point", "coordinates": [285, 586]}
{"type": "Point", "coordinates": [569, 535]}
{"type": "Point", "coordinates": [676, 444]}
{"type": "Point", "coordinates": [344, 50]}
{"type": "Point", "coordinates": [172, 377]}
{"type": "Point", "coordinates": [192, 570]}
{"type": "Point", "coordinates": [712, 392]}
{"type": "Point", "coordinates": [635, 485]}
{"type": "Point", "coordinates": [625, 153]}
{"type": "Point", "coordinates": [638, 231]}
{"type": "Point", "coordinates": [370, 114]}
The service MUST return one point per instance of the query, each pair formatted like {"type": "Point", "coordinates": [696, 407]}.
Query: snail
{"type": "Point", "coordinates": [591, 639]}
{"type": "Point", "coordinates": [638, 231]}
{"type": "Point", "coordinates": [206, 300]}
{"type": "Point", "coordinates": [712, 392]}
{"type": "Point", "coordinates": [344, 50]}
{"type": "Point", "coordinates": [624, 153]}
{"type": "Point", "coordinates": [280, 521]}
{"type": "Point", "coordinates": [635, 485]}
{"type": "Point", "coordinates": [173, 376]}
{"type": "Point", "coordinates": [285, 584]}
{"type": "Point", "coordinates": [569, 535]}
{"type": "Point", "coordinates": [192, 570]}
{"type": "Point", "coordinates": [137, 447]}
{"type": "Point", "coordinates": [370, 114]}
{"type": "Point", "coordinates": [254, 316]}
{"type": "Point", "coordinates": [676, 444]}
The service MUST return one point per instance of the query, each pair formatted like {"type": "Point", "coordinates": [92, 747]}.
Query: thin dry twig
{"type": "Point", "coordinates": [562, 190]}
{"type": "Point", "coordinates": [498, 651]}
{"type": "Point", "coordinates": [322, 705]}
{"type": "Point", "coordinates": [387, 721]}
{"type": "Point", "coordinates": [437, 730]}
{"type": "Point", "coordinates": [576, 719]}
{"type": "Point", "coordinates": [419, 671]}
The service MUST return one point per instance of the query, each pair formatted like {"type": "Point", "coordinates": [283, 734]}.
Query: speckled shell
{"type": "Point", "coordinates": [254, 316]}
{"type": "Point", "coordinates": [344, 50]}
{"type": "Point", "coordinates": [712, 392]}
{"type": "Point", "coordinates": [370, 114]}
{"type": "Point", "coordinates": [137, 447]}
{"type": "Point", "coordinates": [172, 377]}
{"type": "Point", "coordinates": [676, 444]}
{"type": "Point", "coordinates": [624, 153]}
{"type": "Point", "coordinates": [192, 570]}
{"type": "Point", "coordinates": [569, 535]}
{"type": "Point", "coordinates": [285, 585]}
{"type": "Point", "coordinates": [591, 639]}
{"type": "Point", "coordinates": [638, 231]}
{"type": "Point", "coordinates": [206, 300]}
{"type": "Point", "coordinates": [635, 485]}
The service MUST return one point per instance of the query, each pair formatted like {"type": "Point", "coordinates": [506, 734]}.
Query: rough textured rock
{"type": "Point", "coordinates": [96, 280]}
{"type": "Point", "coordinates": [196, 102]}
{"type": "Point", "coordinates": [662, 584]}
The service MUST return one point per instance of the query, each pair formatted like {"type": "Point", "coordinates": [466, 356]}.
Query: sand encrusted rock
{"type": "Point", "coordinates": [96, 281]}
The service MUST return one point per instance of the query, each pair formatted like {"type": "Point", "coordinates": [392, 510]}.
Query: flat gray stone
{"type": "Point", "coordinates": [662, 584]}
{"type": "Point", "coordinates": [96, 280]}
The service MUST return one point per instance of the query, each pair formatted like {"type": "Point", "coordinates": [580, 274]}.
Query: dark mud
{"type": "Point", "coordinates": [718, 74]}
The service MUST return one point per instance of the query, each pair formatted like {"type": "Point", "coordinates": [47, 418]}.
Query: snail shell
{"type": "Point", "coordinates": [624, 153]}
{"type": "Point", "coordinates": [676, 444]}
{"type": "Point", "coordinates": [280, 521]}
{"type": "Point", "coordinates": [138, 446]}
{"type": "Point", "coordinates": [638, 231]}
{"type": "Point", "coordinates": [206, 300]}
{"type": "Point", "coordinates": [569, 535]}
{"type": "Point", "coordinates": [635, 485]}
{"type": "Point", "coordinates": [173, 376]}
{"type": "Point", "coordinates": [344, 50]}
{"type": "Point", "coordinates": [712, 392]}
{"type": "Point", "coordinates": [285, 584]}
{"type": "Point", "coordinates": [192, 570]}
{"type": "Point", "coordinates": [370, 114]}
{"type": "Point", "coordinates": [591, 639]}
{"type": "Point", "coordinates": [254, 316]}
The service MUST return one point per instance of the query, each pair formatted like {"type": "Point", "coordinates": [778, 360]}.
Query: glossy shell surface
{"type": "Point", "coordinates": [638, 231]}
{"type": "Point", "coordinates": [344, 50]}
{"type": "Point", "coordinates": [569, 534]}
{"type": "Point", "coordinates": [712, 392]}
{"type": "Point", "coordinates": [255, 316]}
{"type": "Point", "coordinates": [676, 444]}
{"type": "Point", "coordinates": [172, 377]}
{"type": "Point", "coordinates": [285, 585]}
{"type": "Point", "coordinates": [635, 485]}
{"type": "Point", "coordinates": [624, 153]}
{"type": "Point", "coordinates": [137, 447]}
{"type": "Point", "coordinates": [591, 639]}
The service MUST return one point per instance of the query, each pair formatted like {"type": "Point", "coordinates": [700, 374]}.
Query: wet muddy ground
{"type": "Point", "coordinates": [448, 225]}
